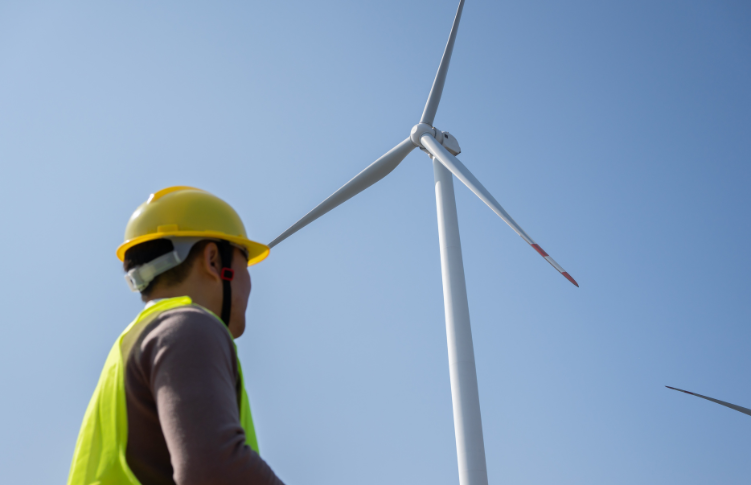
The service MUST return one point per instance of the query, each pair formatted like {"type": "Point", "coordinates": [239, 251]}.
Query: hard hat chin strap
{"type": "Point", "coordinates": [226, 252]}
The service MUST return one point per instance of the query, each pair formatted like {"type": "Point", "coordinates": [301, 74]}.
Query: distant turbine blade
{"type": "Point", "coordinates": [726, 404]}
{"type": "Point", "coordinates": [428, 114]}
{"type": "Point", "coordinates": [462, 173]}
{"type": "Point", "coordinates": [372, 174]}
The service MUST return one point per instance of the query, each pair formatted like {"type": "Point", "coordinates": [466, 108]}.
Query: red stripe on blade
{"type": "Point", "coordinates": [540, 250]}
{"type": "Point", "coordinates": [568, 277]}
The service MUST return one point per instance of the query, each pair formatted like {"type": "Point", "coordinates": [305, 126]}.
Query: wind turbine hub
{"type": "Point", "coordinates": [442, 137]}
{"type": "Point", "coordinates": [421, 129]}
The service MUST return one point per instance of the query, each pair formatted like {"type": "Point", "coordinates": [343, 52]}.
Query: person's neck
{"type": "Point", "coordinates": [201, 294]}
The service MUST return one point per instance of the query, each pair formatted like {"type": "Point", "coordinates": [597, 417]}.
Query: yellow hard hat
{"type": "Point", "coordinates": [188, 212]}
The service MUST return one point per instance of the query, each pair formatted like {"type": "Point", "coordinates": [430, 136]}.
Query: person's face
{"type": "Point", "coordinates": [240, 293]}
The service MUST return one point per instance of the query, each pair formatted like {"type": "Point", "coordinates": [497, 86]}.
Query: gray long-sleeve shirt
{"type": "Point", "coordinates": [182, 391]}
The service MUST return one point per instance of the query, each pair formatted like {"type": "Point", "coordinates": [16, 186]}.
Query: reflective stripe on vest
{"type": "Point", "coordinates": [99, 457]}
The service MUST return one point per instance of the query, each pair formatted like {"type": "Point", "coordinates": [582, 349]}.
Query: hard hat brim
{"type": "Point", "coordinates": [257, 252]}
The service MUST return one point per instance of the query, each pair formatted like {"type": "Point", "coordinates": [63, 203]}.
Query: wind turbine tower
{"type": "Point", "coordinates": [442, 148]}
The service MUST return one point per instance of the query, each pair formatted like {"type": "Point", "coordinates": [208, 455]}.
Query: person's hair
{"type": "Point", "coordinates": [150, 250]}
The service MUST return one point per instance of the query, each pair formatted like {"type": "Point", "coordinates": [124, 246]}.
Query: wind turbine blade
{"type": "Point", "coordinates": [431, 106]}
{"type": "Point", "coordinates": [462, 173]}
{"type": "Point", "coordinates": [372, 174]}
{"type": "Point", "coordinates": [726, 404]}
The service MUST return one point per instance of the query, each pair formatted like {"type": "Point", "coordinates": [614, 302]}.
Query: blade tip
{"type": "Point", "coordinates": [681, 390]}
{"type": "Point", "coordinates": [568, 277]}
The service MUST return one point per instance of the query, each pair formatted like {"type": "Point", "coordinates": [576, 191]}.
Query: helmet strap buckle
{"type": "Point", "coordinates": [228, 274]}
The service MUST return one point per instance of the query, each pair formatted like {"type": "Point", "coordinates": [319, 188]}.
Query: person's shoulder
{"type": "Point", "coordinates": [192, 313]}
{"type": "Point", "coordinates": [181, 342]}
{"type": "Point", "coordinates": [188, 323]}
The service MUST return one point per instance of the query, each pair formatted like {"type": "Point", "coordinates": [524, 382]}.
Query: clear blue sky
{"type": "Point", "coordinates": [617, 134]}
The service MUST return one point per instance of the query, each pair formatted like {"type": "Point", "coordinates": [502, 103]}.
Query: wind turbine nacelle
{"type": "Point", "coordinates": [450, 143]}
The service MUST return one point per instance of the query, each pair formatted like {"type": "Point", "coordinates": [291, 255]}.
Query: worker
{"type": "Point", "coordinates": [170, 406]}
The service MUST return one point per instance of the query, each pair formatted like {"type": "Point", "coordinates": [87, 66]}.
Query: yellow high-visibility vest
{"type": "Point", "coordinates": [99, 457]}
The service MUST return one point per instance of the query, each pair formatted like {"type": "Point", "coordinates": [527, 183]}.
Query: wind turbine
{"type": "Point", "coordinates": [726, 404]}
{"type": "Point", "coordinates": [442, 148]}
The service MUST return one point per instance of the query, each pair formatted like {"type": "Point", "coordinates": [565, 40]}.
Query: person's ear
{"type": "Point", "coordinates": [211, 261]}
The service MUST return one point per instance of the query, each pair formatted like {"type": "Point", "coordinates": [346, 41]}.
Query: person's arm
{"type": "Point", "coordinates": [193, 375]}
